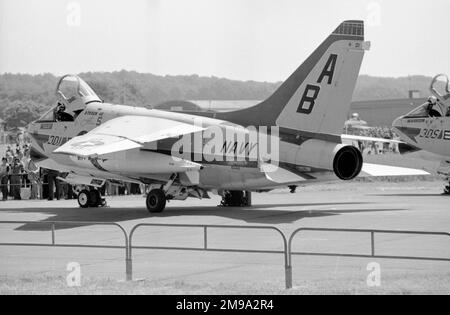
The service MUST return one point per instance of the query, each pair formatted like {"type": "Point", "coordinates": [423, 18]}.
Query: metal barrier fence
{"type": "Point", "coordinates": [372, 255]}
{"type": "Point", "coordinates": [53, 243]}
{"type": "Point", "coordinates": [205, 246]}
{"type": "Point", "coordinates": [286, 243]}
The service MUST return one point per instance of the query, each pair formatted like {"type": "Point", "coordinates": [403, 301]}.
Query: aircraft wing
{"type": "Point", "coordinates": [377, 170]}
{"type": "Point", "coordinates": [370, 139]}
{"type": "Point", "coordinates": [125, 133]}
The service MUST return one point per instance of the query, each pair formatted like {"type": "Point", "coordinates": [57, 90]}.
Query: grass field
{"type": "Point", "coordinates": [399, 285]}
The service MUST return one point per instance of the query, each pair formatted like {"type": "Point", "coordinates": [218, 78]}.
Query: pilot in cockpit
{"type": "Point", "coordinates": [60, 113]}
{"type": "Point", "coordinates": [442, 98]}
{"type": "Point", "coordinates": [432, 101]}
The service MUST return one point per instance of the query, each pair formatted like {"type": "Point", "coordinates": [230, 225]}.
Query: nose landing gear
{"type": "Point", "coordinates": [91, 199]}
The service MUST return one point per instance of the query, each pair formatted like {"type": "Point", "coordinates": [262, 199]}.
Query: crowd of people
{"type": "Point", "coordinates": [377, 147]}
{"type": "Point", "coordinates": [373, 147]}
{"type": "Point", "coordinates": [12, 171]}
{"type": "Point", "coordinates": [357, 127]}
{"type": "Point", "coordinates": [20, 179]}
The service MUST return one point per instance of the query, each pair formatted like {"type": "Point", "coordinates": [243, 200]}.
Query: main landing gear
{"type": "Point", "coordinates": [157, 198]}
{"type": "Point", "coordinates": [91, 198]}
{"type": "Point", "coordinates": [156, 201]}
{"type": "Point", "coordinates": [236, 199]}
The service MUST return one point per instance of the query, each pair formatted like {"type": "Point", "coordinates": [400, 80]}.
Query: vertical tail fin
{"type": "Point", "coordinates": [316, 97]}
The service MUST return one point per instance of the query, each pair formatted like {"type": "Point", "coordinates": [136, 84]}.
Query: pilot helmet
{"type": "Point", "coordinates": [61, 107]}
{"type": "Point", "coordinates": [432, 100]}
{"type": "Point", "coordinates": [355, 116]}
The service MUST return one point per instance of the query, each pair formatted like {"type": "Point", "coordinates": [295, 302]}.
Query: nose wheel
{"type": "Point", "coordinates": [90, 199]}
{"type": "Point", "coordinates": [84, 199]}
{"type": "Point", "coordinates": [156, 201]}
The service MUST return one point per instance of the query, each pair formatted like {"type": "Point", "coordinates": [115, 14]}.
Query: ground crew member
{"type": "Point", "coordinates": [4, 176]}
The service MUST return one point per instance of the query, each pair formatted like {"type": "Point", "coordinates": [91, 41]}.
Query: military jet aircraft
{"type": "Point", "coordinates": [426, 129]}
{"type": "Point", "coordinates": [292, 138]}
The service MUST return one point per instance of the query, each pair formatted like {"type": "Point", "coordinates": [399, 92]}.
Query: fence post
{"type": "Point", "coordinates": [129, 269]}
{"type": "Point", "coordinates": [205, 237]}
{"type": "Point", "coordinates": [288, 260]}
{"type": "Point", "coordinates": [129, 255]}
{"type": "Point", "coordinates": [53, 234]}
{"type": "Point", "coordinates": [288, 275]}
{"type": "Point", "coordinates": [372, 239]}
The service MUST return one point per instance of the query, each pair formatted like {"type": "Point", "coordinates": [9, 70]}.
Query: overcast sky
{"type": "Point", "coordinates": [262, 40]}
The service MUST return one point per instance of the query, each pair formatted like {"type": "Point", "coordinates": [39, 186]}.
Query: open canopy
{"type": "Point", "coordinates": [72, 88]}
{"type": "Point", "coordinates": [73, 95]}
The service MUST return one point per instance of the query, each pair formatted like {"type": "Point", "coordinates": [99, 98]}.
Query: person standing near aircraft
{"type": "Point", "coordinates": [53, 183]}
{"type": "Point", "coordinates": [4, 174]}
{"type": "Point", "coordinates": [16, 174]}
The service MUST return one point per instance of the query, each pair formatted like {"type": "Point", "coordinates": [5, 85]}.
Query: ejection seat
{"type": "Point", "coordinates": [443, 99]}
{"type": "Point", "coordinates": [73, 95]}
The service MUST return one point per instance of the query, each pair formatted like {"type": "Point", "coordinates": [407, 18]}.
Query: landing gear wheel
{"type": "Point", "coordinates": [95, 199]}
{"type": "Point", "coordinates": [156, 201]}
{"type": "Point", "coordinates": [84, 199]}
{"type": "Point", "coordinates": [237, 199]}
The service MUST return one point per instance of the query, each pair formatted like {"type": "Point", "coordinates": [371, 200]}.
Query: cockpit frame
{"type": "Point", "coordinates": [72, 96]}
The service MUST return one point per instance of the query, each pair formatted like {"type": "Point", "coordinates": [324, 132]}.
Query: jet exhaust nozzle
{"type": "Point", "coordinates": [347, 163]}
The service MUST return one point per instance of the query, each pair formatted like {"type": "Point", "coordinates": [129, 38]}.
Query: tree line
{"type": "Point", "coordinates": [23, 97]}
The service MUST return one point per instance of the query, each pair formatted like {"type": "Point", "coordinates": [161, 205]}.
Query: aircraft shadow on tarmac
{"type": "Point", "coordinates": [259, 214]}
{"type": "Point", "coordinates": [411, 195]}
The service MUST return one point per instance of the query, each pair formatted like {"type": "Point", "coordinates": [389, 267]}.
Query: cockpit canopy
{"type": "Point", "coordinates": [425, 111]}
{"type": "Point", "coordinates": [72, 96]}
{"type": "Point", "coordinates": [71, 88]}
{"type": "Point", "coordinates": [437, 89]}
{"type": "Point", "coordinates": [438, 105]}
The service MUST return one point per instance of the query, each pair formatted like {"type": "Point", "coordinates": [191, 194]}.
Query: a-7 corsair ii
{"type": "Point", "coordinates": [292, 138]}
{"type": "Point", "coordinates": [426, 130]}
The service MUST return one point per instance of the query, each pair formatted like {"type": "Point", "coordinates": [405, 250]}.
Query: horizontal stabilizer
{"type": "Point", "coordinates": [377, 170]}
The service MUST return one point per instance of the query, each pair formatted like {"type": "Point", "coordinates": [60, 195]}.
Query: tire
{"type": "Point", "coordinates": [84, 199]}
{"type": "Point", "coordinates": [156, 201]}
{"type": "Point", "coordinates": [237, 199]}
{"type": "Point", "coordinates": [95, 198]}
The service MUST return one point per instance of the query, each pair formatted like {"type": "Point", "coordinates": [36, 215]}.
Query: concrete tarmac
{"type": "Point", "coordinates": [403, 206]}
